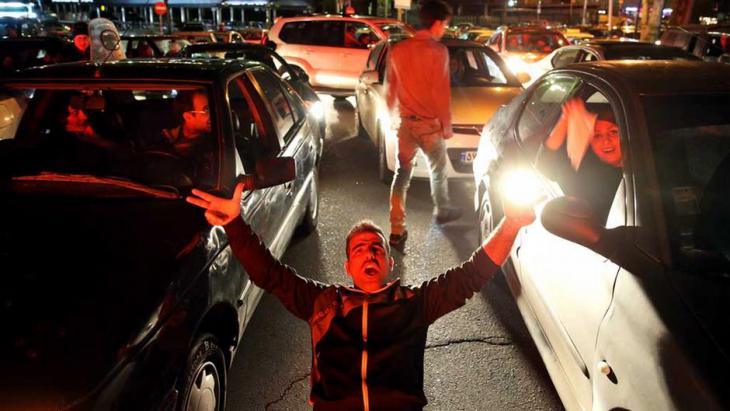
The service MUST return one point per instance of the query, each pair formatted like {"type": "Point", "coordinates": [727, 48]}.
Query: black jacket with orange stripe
{"type": "Point", "coordinates": [367, 349]}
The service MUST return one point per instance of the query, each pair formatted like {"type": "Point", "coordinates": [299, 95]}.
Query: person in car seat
{"type": "Point", "coordinates": [195, 127]}
{"type": "Point", "coordinates": [590, 165]}
{"type": "Point", "coordinates": [368, 339]}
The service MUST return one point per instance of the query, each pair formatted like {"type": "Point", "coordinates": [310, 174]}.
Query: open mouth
{"type": "Point", "coordinates": [371, 269]}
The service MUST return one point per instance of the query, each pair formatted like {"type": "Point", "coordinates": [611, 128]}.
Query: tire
{"type": "Point", "coordinates": [311, 214]}
{"type": "Point", "coordinates": [489, 215]}
{"type": "Point", "coordinates": [384, 174]}
{"type": "Point", "coordinates": [203, 382]}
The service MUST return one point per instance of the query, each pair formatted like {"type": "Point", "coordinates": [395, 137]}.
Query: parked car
{"type": "Point", "coordinates": [152, 45]}
{"type": "Point", "coordinates": [137, 303]}
{"type": "Point", "coordinates": [478, 34]}
{"type": "Point", "coordinates": [622, 280]}
{"type": "Point", "coordinates": [711, 43]}
{"type": "Point", "coordinates": [332, 50]}
{"type": "Point", "coordinates": [197, 36]}
{"type": "Point", "coordinates": [480, 83]}
{"type": "Point", "coordinates": [523, 45]}
{"type": "Point", "coordinates": [605, 50]}
{"type": "Point", "coordinates": [24, 52]}
{"type": "Point", "coordinates": [248, 52]}
{"type": "Point", "coordinates": [253, 35]}
{"type": "Point", "coordinates": [229, 36]}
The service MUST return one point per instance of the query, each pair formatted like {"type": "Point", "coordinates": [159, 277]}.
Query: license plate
{"type": "Point", "coordinates": [467, 157]}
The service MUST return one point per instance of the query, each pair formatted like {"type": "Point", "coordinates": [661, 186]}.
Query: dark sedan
{"type": "Point", "coordinates": [117, 294]}
{"type": "Point", "coordinates": [623, 281]}
{"type": "Point", "coordinates": [251, 52]}
{"type": "Point", "coordinates": [597, 50]}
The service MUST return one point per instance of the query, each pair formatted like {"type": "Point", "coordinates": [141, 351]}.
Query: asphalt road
{"type": "Point", "coordinates": [479, 357]}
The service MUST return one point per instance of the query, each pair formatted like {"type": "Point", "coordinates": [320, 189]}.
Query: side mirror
{"type": "Point", "coordinates": [370, 77]}
{"type": "Point", "coordinates": [299, 73]}
{"type": "Point", "coordinates": [270, 44]}
{"type": "Point", "coordinates": [270, 172]}
{"type": "Point", "coordinates": [523, 77]}
{"type": "Point", "coordinates": [572, 219]}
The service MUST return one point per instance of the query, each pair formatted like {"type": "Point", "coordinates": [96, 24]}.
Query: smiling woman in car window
{"type": "Point", "coordinates": [583, 154]}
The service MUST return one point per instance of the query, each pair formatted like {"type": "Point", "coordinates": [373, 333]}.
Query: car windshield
{"type": "Point", "coordinates": [150, 135]}
{"type": "Point", "coordinates": [642, 52]}
{"type": "Point", "coordinates": [690, 135]}
{"type": "Point", "coordinates": [534, 42]}
{"type": "Point", "coordinates": [397, 29]}
{"type": "Point", "coordinates": [473, 67]}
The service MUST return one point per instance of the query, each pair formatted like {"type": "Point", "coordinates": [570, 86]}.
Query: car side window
{"type": "Point", "coordinates": [328, 33]}
{"type": "Point", "coordinates": [359, 35]}
{"type": "Point", "coordinates": [587, 56]}
{"type": "Point", "coordinates": [293, 32]}
{"type": "Point", "coordinates": [583, 155]}
{"type": "Point", "coordinates": [245, 130]}
{"type": "Point", "coordinates": [276, 103]}
{"type": "Point", "coordinates": [543, 108]}
{"type": "Point", "coordinates": [564, 57]}
{"type": "Point", "coordinates": [372, 62]}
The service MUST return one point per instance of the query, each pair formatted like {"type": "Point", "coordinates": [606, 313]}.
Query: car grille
{"type": "Point", "coordinates": [462, 159]}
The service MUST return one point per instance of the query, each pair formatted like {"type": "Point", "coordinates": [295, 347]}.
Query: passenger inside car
{"type": "Point", "coordinates": [592, 175]}
{"type": "Point", "coordinates": [195, 127]}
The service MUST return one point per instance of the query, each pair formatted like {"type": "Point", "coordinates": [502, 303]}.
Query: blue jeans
{"type": "Point", "coordinates": [426, 134]}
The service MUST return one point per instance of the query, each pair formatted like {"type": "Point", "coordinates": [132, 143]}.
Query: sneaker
{"type": "Point", "coordinates": [446, 215]}
{"type": "Point", "coordinates": [398, 241]}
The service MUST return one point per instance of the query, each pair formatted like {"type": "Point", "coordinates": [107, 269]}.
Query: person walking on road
{"type": "Point", "coordinates": [368, 339]}
{"type": "Point", "coordinates": [417, 78]}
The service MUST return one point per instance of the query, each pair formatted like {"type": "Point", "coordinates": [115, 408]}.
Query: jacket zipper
{"type": "Point", "coordinates": [364, 364]}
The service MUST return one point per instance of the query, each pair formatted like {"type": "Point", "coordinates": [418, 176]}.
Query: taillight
{"type": "Point", "coordinates": [264, 39]}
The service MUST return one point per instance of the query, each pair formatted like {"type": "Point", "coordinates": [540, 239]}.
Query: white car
{"type": "Point", "coordinates": [485, 86]}
{"type": "Point", "coordinates": [332, 50]}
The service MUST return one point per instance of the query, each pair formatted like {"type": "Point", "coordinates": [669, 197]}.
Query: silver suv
{"type": "Point", "coordinates": [332, 50]}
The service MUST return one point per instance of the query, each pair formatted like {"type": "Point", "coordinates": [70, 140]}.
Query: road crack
{"type": "Point", "coordinates": [491, 340]}
{"type": "Point", "coordinates": [286, 391]}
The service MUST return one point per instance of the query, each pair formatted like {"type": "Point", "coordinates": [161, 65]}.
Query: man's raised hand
{"type": "Point", "coordinates": [218, 210]}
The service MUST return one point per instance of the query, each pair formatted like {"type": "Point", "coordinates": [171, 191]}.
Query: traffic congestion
{"type": "Point", "coordinates": [531, 203]}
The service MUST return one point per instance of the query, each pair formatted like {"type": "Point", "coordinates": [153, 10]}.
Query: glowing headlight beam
{"type": "Point", "coordinates": [522, 187]}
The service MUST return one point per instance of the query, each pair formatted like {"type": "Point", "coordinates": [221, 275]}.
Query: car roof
{"type": "Point", "coordinates": [352, 17]}
{"type": "Point", "coordinates": [148, 36]}
{"type": "Point", "coordinates": [661, 76]}
{"type": "Point", "coordinates": [175, 69]}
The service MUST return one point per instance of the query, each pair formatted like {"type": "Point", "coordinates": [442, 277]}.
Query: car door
{"type": "Point", "coordinates": [368, 90]}
{"type": "Point", "coordinates": [295, 139]}
{"type": "Point", "coordinates": [250, 144]}
{"type": "Point", "coordinates": [572, 285]}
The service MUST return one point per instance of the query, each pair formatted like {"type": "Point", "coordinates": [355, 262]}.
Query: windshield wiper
{"type": "Point", "coordinates": [166, 192]}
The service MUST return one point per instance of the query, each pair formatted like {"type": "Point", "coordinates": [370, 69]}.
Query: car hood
{"type": "Point", "coordinates": [80, 279]}
{"type": "Point", "coordinates": [475, 105]}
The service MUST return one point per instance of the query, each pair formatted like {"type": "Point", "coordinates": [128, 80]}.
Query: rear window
{"type": "Point", "coordinates": [329, 33]}
{"type": "Point", "coordinates": [534, 42]}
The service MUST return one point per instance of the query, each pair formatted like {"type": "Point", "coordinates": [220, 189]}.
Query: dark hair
{"type": "Point", "coordinates": [432, 10]}
{"type": "Point", "coordinates": [364, 226]}
{"type": "Point", "coordinates": [606, 115]}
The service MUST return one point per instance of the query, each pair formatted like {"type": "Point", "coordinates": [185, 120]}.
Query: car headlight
{"type": "Point", "coordinates": [517, 65]}
{"type": "Point", "coordinates": [316, 108]}
{"type": "Point", "coordinates": [521, 186]}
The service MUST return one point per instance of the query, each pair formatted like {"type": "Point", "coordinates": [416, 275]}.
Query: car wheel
{"type": "Point", "coordinates": [489, 216]}
{"type": "Point", "coordinates": [203, 383]}
{"type": "Point", "coordinates": [384, 173]}
{"type": "Point", "coordinates": [311, 214]}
